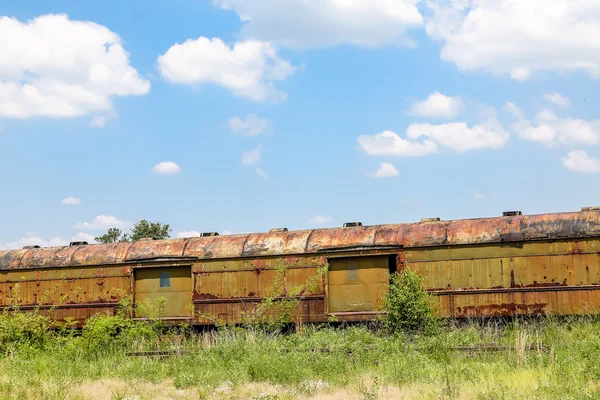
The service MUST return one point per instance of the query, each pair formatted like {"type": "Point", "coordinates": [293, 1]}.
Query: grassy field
{"type": "Point", "coordinates": [541, 358]}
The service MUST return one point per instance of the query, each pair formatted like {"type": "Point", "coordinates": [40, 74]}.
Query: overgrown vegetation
{"type": "Point", "coordinates": [409, 307]}
{"type": "Point", "coordinates": [416, 357]}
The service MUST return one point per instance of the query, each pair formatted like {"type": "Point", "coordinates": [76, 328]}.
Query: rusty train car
{"type": "Point", "coordinates": [513, 264]}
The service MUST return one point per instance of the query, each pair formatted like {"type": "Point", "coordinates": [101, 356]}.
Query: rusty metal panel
{"type": "Point", "coordinates": [484, 230]}
{"type": "Point", "coordinates": [339, 238]}
{"type": "Point", "coordinates": [414, 234]}
{"type": "Point", "coordinates": [145, 249]}
{"type": "Point", "coordinates": [11, 259]}
{"type": "Point", "coordinates": [173, 284]}
{"type": "Point", "coordinates": [277, 243]}
{"type": "Point", "coordinates": [556, 302]}
{"type": "Point", "coordinates": [357, 284]}
{"type": "Point", "coordinates": [228, 246]}
{"type": "Point", "coordinates": [561, 225]}
{"type": "Point", "coordinates": [39, 258]}
{"type": "Point", "coordinates": [98, 254]}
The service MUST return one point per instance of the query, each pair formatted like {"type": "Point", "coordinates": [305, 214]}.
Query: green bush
{"type": "Point", "coordinates": [409, 307]}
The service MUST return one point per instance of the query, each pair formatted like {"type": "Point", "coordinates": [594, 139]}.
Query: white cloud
{"type": "Point", "coordinates": [56, 67]}
{"type": "Point", "coordinates": [84, 237]}
{"type": "Point", "coordinates": [456, 136]}
{"type": "Point", "coordinates": [438, 105]}
{"type": "Point", "coordinates": [226, 232]}
{"type": "Point", "coordinates": [580, 161]}
{"type": "Point", "coordinates": [252, 125]}
{"type": "Point", "coordinates": [186, 234]}
{"type": "Point", "coordinates": [317, 23]}
{"type": "Point", "coordinates": [71, 200]}
{"type": "Point", "coordinates": [386, 170]}
{"type": "Point", "coordinates": [33, 240]}
{"type": "Point", "coordinates": [557, 99]}
{"type": "Point", "coordinates": [98, 122]}
{"type": "Point", "coordinates": [518, 38]}
{"type": "Point", "coordinates": [260, 172]}
{"type": "Point", "coordinates": [166, 168]}
{"type": "Point", "coordinates": [321, 219]}
{"type": "Point", "coordinates": [248, 68]}
{"type": "Point", "coordinates": [550, 130]}
{"type": "Point", "coordinates": [102, 222]}
{"type": "Point", "coordinates": [253, 156]}
{"type": "Point", "coordinates": [483, 196]}
{"type": "Point", "coordinates": [388, 143]}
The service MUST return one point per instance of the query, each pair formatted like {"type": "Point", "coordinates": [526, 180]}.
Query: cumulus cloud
{"type": "Point", "coordinates": [166, 168]}
{"type": "Point", "coordinates": [102, 222]}
{"type": "Point", "coordinates": [252, 125]}
{"type": "Point", "coordinates": [455, 136]}
{"type": "Point", "coordinates": [71, 200]}
{"type": "Point", "coordinates": [83, 237]}
{"type": "Point", "coordinates": [33, 240]}
{"type": "Point", "coordinates": [320, 220]}
{"type": "Point", "coordinates": [55, 67]}
{"type": "Point", "coordinates": [253, 156]}
{"type": "Point", "coordinates": [388, 143]}
{"type": "Point", "coordinates": [186, 234]}
{"type": "Point", "coordinates": [517, 38]}
{"type": "Point", "coordinates": [386, 170]}
{"type": "Point", "coordinates": [318, 23]}
{"type": "Point", "coordinates": [247, 68]}
{"type": "Point", "coordinates": [549, 129]}
{"type": "Point", "coordinates": [580, 161]}
{"type": "Point", "coordinates": [438, 105]}
{"type": "Point", "coordinates": [557, 99]}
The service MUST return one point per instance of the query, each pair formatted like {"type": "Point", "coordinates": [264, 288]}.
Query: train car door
{"type": "Point", "coordinates": [173, 284]}
{"type": "Point", "coordinates": [359, 283]}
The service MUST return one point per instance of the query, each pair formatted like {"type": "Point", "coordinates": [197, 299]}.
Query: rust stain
{"type": "Point", "coordinates": [504, 309]}
{"type": "Point", "coordinates": [522, 228]}
{"type": "Point", "coordinates": [289, 261]}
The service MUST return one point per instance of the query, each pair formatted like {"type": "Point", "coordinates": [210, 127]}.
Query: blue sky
{"type": "Point", "coordinates": [241, 116]}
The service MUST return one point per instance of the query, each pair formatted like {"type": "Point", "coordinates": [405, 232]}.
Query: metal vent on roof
{"type": "Point", "coordinates": [592, 208]}
{"type": "Point", "coordinates": [207, 234]}
{"type": "Point", "coordinates": [34, 246]}
{"type": "Point", "coordinates": [278, 230]}
{"type": "Point", "coordinates": [147, 239]}
{"type": "Point", "coordinates": [77, 243]}
{"type": "Point", "coordinates": [434, 219]}
{"type": "Point", "coordinates": [352, 224]}
{"type": "Point", "coordinates": [511, 213]}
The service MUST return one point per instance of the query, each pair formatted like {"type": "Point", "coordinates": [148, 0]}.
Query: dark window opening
{"type": "Point", "coordinates": [165, 279]}
{"type": "Point", "coordinates": [392, 263]}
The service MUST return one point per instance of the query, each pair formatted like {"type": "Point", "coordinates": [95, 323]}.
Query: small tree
{"type": "Point", "coordinates": [145, 229]}
{"type": "Point", "coordinates": [113, 235]}
{"type": "Point", "coordinates": [410, 308]}
{"type": "Point", "coordinates": [142, 229]}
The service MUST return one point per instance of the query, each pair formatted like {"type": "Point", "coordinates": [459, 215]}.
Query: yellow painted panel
{"type": "Point", "coordinates": [174, 284]}
{"type": "Point", "coordinates": [357, 284]}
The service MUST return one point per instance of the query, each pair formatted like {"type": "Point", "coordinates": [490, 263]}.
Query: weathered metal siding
{"type": "Point", "coordinates": [225, 289]}
{"type": "Point", "coordinates": [74, 292]}
{"type": "Point", "coordinates": [558, 277]}
{"type": "Point", "coordinates": [174, 288]}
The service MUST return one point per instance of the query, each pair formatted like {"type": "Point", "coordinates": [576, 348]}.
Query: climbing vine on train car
{"type": "Point", "coordinates": [279, 306]}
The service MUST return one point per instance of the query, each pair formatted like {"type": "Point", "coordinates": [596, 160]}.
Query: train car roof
{"type": "Point", "coordinates": [517, 228]}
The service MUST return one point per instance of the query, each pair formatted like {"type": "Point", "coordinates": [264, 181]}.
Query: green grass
{"type": "Point", "coordinates": [319, 361]}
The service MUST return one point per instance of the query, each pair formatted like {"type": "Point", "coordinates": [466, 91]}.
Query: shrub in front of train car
{"type": "Point", "coordinates": [102, 331]}
{"type": "Point", "coordinates": [409, 307]}
{"type": "Point", "coordinates": [277, 310]}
